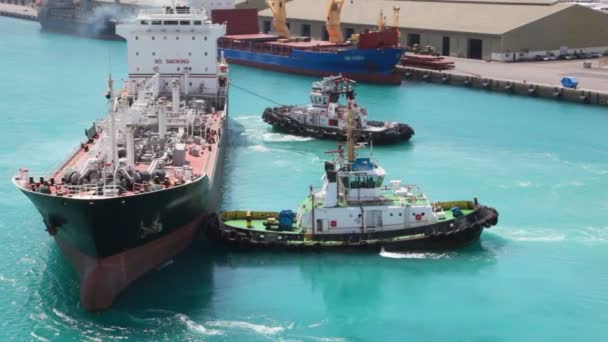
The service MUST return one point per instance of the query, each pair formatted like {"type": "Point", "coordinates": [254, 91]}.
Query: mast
{"type": "Point", "coordinates": [110, 97]}
{"type": "Point", "coordinates": [350, 134]}
{"type": "Point", "coordinates": [333, 21]}
{"type": "Point", "coordinates": [381, 21]}
{"type": "Point", "coordinates": [279, 17]}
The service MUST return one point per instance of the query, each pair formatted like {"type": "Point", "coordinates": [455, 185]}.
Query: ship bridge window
{"type": "Point", "coordinates": [197, 22]}
{"type": "Point", "coordinates": [362, 182]}
{"type": "Point", "coordinates": [184, 22]}
{"type": "Point", "coordinates": [156, 22]}
{"type": "Point", "coordinates": [144, 22]}
{"type": "Point", "coordinates": [170, 22]}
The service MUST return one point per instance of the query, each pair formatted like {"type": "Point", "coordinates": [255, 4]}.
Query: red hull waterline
{"type": "Point", "coordinates": [102, 280]}
{"type": "Point", "coordinates": [393, 78]}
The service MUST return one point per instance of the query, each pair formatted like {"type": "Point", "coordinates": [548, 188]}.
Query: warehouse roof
{"type": "Point", "coordinates": [482, 16]}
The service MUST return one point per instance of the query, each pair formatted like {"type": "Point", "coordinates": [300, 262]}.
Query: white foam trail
{"type": "Point", "coordinates": [278, 137]}
{"type": "Point", "coordinates": [65, 317]}
{"type": "Point", "coordinates": [530, 234]}
{"type": "Point", "coordinates": [411, 255]}
{"type": "Point", "coordinates": [193, 326]}
{"type": "Point", "coordinates": [594, 234]}
{"type": "Point", "coordinates": [258, 328]}
{"type": "Point", "coordinates": [259, 148]}
{"type": "Point", "coordinates": [39, 338]}
{"type": "Point", "coordinates": [246, 117]}
{"type": "Point", "coordinates": [570, 184]}
{"type": "Point", "coordinates": [8, 280]}
{"type": "Point", "coordinates": [524, 184]}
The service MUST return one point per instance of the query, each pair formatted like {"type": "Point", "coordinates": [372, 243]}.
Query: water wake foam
{"type": "Point", "coordinates": [37, 337]}
{"type": "Point", "coordinates": [412, 255]}
{"type": "Point", "coordinates": [257, 328]}
{"type": "Point", "coordinates": [537, 235]}
{"type": "Point", "coordinates": [278, 137]}
{"type": "Point", "coordinates": [195, 327]}
{"type": "Point", "coordinates": [594, 234]}
{"type": "Point", "coordinates": [588, 234]}
{"type": "Point", "coordinates": [8, 280]}
{"type": "Point", "coordinates": [259, 148]}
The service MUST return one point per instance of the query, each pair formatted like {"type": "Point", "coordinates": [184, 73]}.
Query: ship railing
{"type": "Point", "coordinates": [91, 190]}
{"type": "Point", "coordinates": [172, 11]}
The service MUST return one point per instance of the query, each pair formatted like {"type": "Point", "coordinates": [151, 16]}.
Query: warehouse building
{"type": "Point", "coordinates": [482, 29]}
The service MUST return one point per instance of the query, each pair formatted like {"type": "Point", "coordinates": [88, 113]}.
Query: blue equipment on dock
{"type": "Point", "coordinates": [286, 219]}
{"type": "Point", "coordinates": [570, 82]}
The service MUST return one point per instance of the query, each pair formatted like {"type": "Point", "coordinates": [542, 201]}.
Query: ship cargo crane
{"type": "Point", "coordinates": [333, 21]}
{"type": "Point", "coordinates": [396, 10]}
{"type": "Point", "coordinates": [381, 21]}
{"type": "Point", "coordinates": [279, 17]}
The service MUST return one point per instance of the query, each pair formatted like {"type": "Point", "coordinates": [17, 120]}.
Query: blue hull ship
{"type": "Point", "coordinates": [371, 57]}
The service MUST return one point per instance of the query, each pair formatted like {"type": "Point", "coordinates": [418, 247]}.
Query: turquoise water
{"type": "Point", "coordinates": [541, 274]}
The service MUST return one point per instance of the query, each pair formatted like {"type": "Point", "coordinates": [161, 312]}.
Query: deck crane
{"type": "Point", "coordinates": [381, 21]}
{"type": "Point", "coordinates": [334, 9]}
{"type": "Point", "coordinates": [396, 10]}
{"type": "Point", "coordinates": [279, 17]}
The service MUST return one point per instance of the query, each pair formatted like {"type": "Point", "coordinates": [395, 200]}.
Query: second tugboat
{"type": "Point", "coordinates": [354, 210]}
{"type": "Point", "coordinates": [326, 118]}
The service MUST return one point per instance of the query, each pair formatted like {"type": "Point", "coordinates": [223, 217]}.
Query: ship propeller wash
{"type": "Point", "coordinates": [355, 210]}
{"type": "Point", "coordinates": [326, 118]}
{"type": "Point", "coordinates": [135, 191]}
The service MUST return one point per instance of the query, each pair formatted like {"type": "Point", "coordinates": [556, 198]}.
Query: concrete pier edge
{"type": "Point", "coordinates": [524, 88]}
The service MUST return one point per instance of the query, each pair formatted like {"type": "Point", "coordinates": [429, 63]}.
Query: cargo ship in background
{"type": "Point", "coordinates": [370, 56]}
{"type": "Point", "coordinates": [98, 19]}
{"type": "Point", "coordinates": [82, 19]}
{"type": "Point", "coordinates": [136, 190]}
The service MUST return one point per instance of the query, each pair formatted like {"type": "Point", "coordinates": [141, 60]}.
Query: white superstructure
{"type": "Point", "coordinates": [177, 43]}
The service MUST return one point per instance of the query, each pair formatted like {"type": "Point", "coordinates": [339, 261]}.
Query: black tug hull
{"type": "Point", "coordinates": [283, 123]}
{"type": "Point", "coordinates": [443, 235]}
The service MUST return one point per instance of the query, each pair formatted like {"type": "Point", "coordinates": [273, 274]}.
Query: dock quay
{"type": "Point", "coordinates": [18, 11]}
{"type": "Point", "coordinates": [540, 79]}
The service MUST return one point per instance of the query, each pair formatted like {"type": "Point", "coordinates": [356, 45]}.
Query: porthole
{"type": "Point", "coordinates": [205, 53]}
{"type": "Point", "coordinates": [193, 38]}
{"type": "Point", "coordinates": [152, 37]}
{"type": "Point", "coordinates": [136, 53]}
{"type": "Point", "coordinates": [136, 37]}
{"type": "Point", "coordinates": [153, 53]}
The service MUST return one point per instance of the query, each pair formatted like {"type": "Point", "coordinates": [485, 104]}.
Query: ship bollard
{"type": "Point", "coordinates": [248, 219]}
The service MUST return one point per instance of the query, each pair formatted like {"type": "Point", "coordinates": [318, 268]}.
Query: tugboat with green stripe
{"type": "Point", "coordinates": [354, 209]}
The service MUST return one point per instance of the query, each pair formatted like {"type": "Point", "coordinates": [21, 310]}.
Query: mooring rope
{"type": "Point", "coordinates": [255, 94]}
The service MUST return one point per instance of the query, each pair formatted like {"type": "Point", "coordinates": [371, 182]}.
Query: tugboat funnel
{"type": "Point", "coordinates": [331, 190]}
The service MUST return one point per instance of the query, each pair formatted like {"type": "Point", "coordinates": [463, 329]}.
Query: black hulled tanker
{"type": "Point", "coordinates": [146, 176]}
